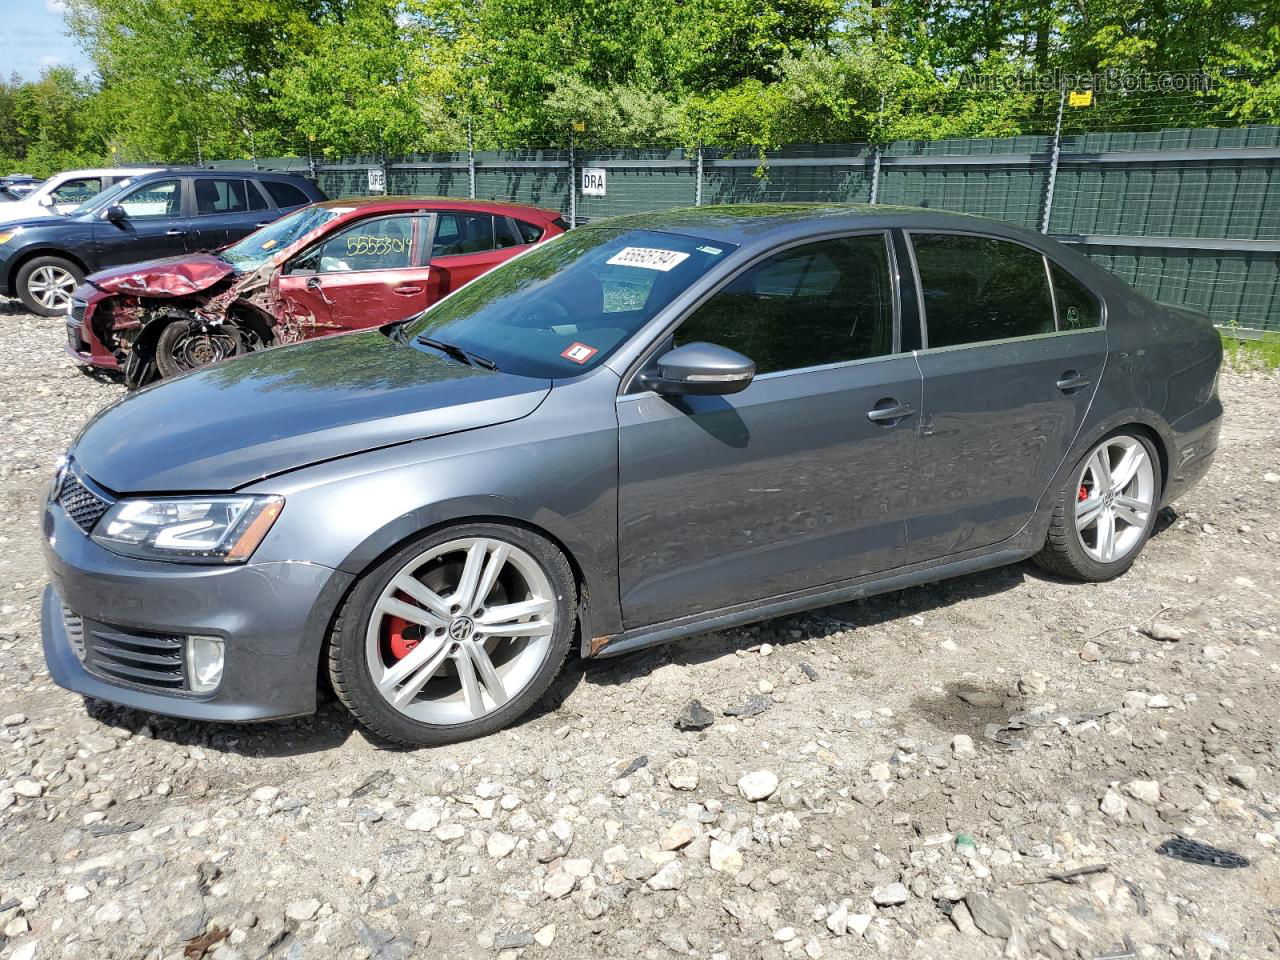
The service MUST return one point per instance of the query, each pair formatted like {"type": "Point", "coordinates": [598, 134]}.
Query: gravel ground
{"type": "Point", "coordinates": [918, 763]}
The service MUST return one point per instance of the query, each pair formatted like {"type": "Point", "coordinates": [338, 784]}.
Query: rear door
{"type": "Point", "coordinates": [799, 480]}
{"type": "Point", "coordinates": [363, 275]}
{"type": "Point", "coordinates": [226, 209]}
{"type": "Point", "coordinates": [1014, 351]}
{"type": "Point", "coordinates": [469, 244]}
{"type": "Point", "coordinates": [155, 225]}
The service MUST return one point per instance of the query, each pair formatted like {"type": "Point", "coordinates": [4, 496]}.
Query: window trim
{"type": "Point", "coordinates": [1053, 300]}
{"type": "Point", "coordinates": [630, 387]}
{"type": "Point", "coordinates": [414, 218]}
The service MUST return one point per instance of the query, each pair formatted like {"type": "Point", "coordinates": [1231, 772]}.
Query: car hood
{"type": "Point", "coordinates": [26, 210]}
{"type": "Point", "coordinates": [170, 277]}
{"type": "Point", "coordinates": [276, 410]}
{"type": "Point", "coordinates": [28, 222]}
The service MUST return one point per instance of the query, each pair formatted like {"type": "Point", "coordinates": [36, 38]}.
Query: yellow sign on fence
{"type": "Point", "coordinates": [1080, 98]}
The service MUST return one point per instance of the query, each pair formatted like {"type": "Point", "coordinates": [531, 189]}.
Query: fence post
{"type": "Point", "coordinates": [697, 189]}
{"type": "Point", "coordinates": [573, 186]}
{"type": "Point", "coordinates": [1053, 163]}
{"type": "Point", "coordinates": [471, 163]}
{"type": "Point", "coordinates": [875, 173]}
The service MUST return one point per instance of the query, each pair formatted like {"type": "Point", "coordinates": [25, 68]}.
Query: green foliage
{"type": "Point", "coordinates": [181, 80]}
{"type": "Point", "coordinates": [1263, 353]}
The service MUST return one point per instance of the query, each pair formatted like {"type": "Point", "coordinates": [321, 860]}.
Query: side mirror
{"type": "Point", "coordinates": [701, 369]}
{"type": "Point", "coordinates": [115, 213]}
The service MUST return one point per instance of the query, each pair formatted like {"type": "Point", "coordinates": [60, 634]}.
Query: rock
{"type": "Point", "coordinates": [808, 670]}
{"type": "Point", "coordinates": [1158, 701]}
{"type": "Point", "coordinates": [1148, 791]}
{"type": "Point", "coordinates": [890, 896]}
{"type": "Point", "coordinates": [962, 920]}
{"type": "Point", "coordinates": [679, 834]}
{"type": "Point", "coordinates": [1271, 477]}
{"type": "Point", "coordinates": [639, 869]}
{"type": "Point", "coordinates": [109, 913]}
{"type": "Point", "coordinates": [962, 746]}
{"type": "Point", "coordinates": [858, 923]}
{"type": "Point", "coordinates": [1165, 632]}
{"type": "Point", "coordinates": [621, 787]}
{"type": "Point", "coordinates": [265, 794]}
{"type": "Point", "coordinates": [682, 773]}
{"type": "Point", "coordinates": [580, 867]}
{"type": "Point", "coordinates": [880, 772]}
{"type": "Point", "coordinates": [28, 788]}
{"type": "Point", "coordinates": [1243, 777]}
{"type": "Point", "coordinates": [724, 858]}
{"type": "Point", "coordinates": [1113, 805]}
{"type": "Point", "coordinates": [758, 785]}
{"type": "Point", "coordinates": [838, 920]}
{"type": "Point", "coordinates": [559, 885]}
{"type": "Point", "coordinates": [694, 716]}
{"type": "Point", "coordinates": [75, 893]}
{"type": "Point", "coordinates": [26, 952]}
{"type": "Point", "coordinates": [1090, 652]}
{"type": "Point", "coordinates": [988, 916]}
{"type": "Point", "coordinates": [513, 940]}
{"type": "Point", "coordinates": [423, 819]}
{"type": "Point", "coordinates": [301, 910]}
{"type": "Point", "coordinates": [14, 720]}
{"type": "Point", "coordinates": [448, 832]}
{"type": "Point", "coordinates": [784, 934]}
{"type": "Point", "coordinates": [1032, 684]}
{"type": "Point", "coordinates": [670, 877]}
{"type": "Point", "coordinates": [753, 706]}
{"type": "Point", "coordinates": [981, 698]}
{"type": "Point", "coordinates": [499, 845]}
{"type": "Point", "coordinates": [546, 936]}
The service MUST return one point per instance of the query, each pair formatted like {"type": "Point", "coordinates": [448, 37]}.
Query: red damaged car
{"type": "Point", "coordinates": [327, 268]}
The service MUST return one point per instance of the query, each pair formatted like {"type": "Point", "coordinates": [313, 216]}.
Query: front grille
{"type": "Point", "coordinates": [76, 313]}
{"type": "Point", "coordinates": [81, 504]}
{"type": "Point", "coordinates": [145, 659]}
{"type": "Point", "coordinates": [74, 624]}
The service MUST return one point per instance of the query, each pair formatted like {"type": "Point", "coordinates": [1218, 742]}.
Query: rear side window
{"type": "Point", "coordinates": [1078, 309]}
{"type": "Point", "coordinates": [459, 234]}
{"type": "Point", "coordinates": [528, 232]}
{"type": "Point", "coordinates": [285, 194]}
{"type": "Point", "coordinates": [504, 234]}
{"type": "Point", "coordinates": [221, 196]}
{"type": "Point", "coordinates": [980, 288]}
{"type": "Point", "coordinates": [820, 303]}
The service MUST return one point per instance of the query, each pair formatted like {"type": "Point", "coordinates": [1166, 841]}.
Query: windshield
{"type": "Point", "coordinates": [258, 247]}
{"type": "Point", "coordinates": [565, 306]}
{"type": "Point", "coordinates": [102, 200]}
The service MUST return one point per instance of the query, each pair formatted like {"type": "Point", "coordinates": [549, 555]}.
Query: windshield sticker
{"type": "Point", "coordinates": [268, 244]}
{"type": "Point", "coordinates": [648, 258]}
{"type": "Point", "coordinates": [579, 352]}
{"type": "Point", "coordinates": [712, 251]}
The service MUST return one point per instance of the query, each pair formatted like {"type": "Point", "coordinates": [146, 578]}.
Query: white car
{"type": "Point", "coordinates": [63, 192]}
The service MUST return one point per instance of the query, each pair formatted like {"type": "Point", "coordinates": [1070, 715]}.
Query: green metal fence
{"type": "Point", "coordinates": [1187, 216]}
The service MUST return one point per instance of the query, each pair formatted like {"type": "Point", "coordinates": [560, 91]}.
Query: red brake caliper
{"type": "Point", "coordinates": [400, 645]}
{"type": "Point", "coordinates": [1083, 494]}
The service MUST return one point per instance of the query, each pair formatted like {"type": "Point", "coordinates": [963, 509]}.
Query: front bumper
{"type": "Point", "coordinates": [83, 345]}
{"type": "Point", "coordinates": [272, 618]}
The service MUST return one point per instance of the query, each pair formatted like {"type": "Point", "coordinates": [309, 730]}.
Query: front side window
{"type": "Point", "coordinates": [162, 198]}
{"type": "Point", "coordinates": [980, 288]}
{"type": "Point", "coordinates": [77, 191]}
{"type": "Point", "coordinates": [1078, 309]}
{"type": "Point", "coordinates": [384, 243]}
{"type": "Point", "coordinates": [825, 302]}
{"type": "Point", "coordinates": [565, 306]}
{"type": "Point", "coordinates": [458, 234]}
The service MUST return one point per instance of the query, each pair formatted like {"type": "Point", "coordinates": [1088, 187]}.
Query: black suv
{"type": "Point", "coordinates": [162, 214]}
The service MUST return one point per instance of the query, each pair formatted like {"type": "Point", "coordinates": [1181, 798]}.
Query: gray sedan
{"type": "Point", "coordinates": [648, 428]}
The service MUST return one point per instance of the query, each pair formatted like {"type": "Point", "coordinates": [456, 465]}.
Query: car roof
{"type": "Point", "coordinates": [402, 204]}
{"type": "Point", "coordinates": [108, 172]}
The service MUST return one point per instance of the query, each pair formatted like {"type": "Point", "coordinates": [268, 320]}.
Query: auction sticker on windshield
{"type": "Point", "coordinates": [650, 258]}
{"type": "Point", "coordinates": [579, 352]}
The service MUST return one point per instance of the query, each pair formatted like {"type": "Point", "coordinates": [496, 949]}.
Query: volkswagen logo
{"type": "Point", "coordinates": [462, 628]}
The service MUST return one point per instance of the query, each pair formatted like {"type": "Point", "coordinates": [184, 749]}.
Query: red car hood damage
{"type": "Point", "coordinates": [172, 277]}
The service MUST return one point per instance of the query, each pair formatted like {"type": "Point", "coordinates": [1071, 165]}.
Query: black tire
{"type": "Point", "coordinates": [1063, 553]}
{"type": "Point", "coordinates": [349, 671]}
{"type": "Point", "coordinates": [37, 267]}
{"type": "Point", "coordinates": [181, 342]}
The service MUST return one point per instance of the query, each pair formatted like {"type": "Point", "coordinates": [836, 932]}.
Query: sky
{"type": "Point", "coordinates": [33, 36]}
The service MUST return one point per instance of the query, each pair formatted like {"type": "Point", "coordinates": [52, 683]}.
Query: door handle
{"type": "Point", "coordinates": [175, 232]}
{"type": "Point", "coordinates": [264, 223]}
{"type": "Point", "coordinates": [1072, 381]}
{"type": "Point", "coordinates": [407, 289]}
{"type": "Point", "coordinates": [889, 411]}
{"type": "Point", "coordinates": [313, 283]}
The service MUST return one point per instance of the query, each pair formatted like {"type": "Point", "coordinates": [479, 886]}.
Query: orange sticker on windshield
{"type": "Point", "coordinates": [579, 352]}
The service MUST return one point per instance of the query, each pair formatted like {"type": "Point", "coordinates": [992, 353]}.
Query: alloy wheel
{"type": "Point", "coordinates": [51, 287]}
{"type": "Point", "coordinates": [460, 630]}
{"type": "Point", "coordinates": [1115, 499]}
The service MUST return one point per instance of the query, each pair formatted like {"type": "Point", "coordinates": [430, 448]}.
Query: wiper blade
{"type": "Point", "coordinates": [458, 353]}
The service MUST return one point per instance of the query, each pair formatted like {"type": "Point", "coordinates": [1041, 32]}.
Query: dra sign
{"type": "Point", "coordinates": [593, 182]}
{"type": "Point", "coordinates": [377, 180]}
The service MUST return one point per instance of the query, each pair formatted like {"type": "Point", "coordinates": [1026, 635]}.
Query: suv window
{"type": "Point", "coordinates": [1078, 309]}
{"type": "Point", "coordinates": [981, 288]}
{"type": "Point", "coordinates": [825, 302]}
{"type": "Point", "coordinates": [462, 233]}
{"type": "Point", "coordinates": [285, 194]}
{"type": "Point", "coordinates": [160, 198]}
{"type": "Point", "coordinates": [385, 243]}
{"type": "Point", "coordinates": [221, 196]}
{"type": "Point", "coordinates": [76, 191]}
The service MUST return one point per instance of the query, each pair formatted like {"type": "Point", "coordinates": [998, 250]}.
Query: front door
{"type": "Point", "coordinates": [155, 225]}
{"type": "Point", "coordinates": [797, 481]}
{"type": "Point", "coordinates": [1007, 382]}
{"type": "Point", "coordinates": [364, 275]}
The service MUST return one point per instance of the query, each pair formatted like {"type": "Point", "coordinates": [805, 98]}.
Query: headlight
{"type": "Point", "coordinates": [7, 235]}
{"type": "Point", "coordinates": [188, 529]}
